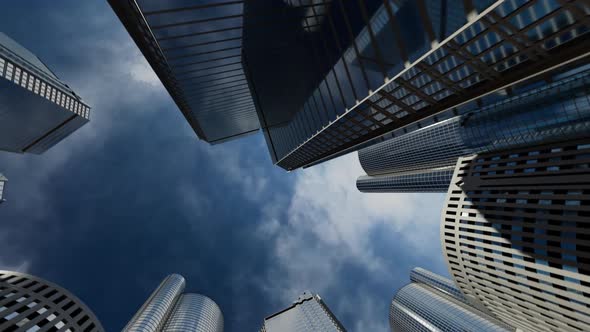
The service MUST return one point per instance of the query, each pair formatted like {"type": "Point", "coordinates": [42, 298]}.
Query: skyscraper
{"type": "Point", "coordinates": [3, 180]}
{"type": "Point", "coordinates": [168, 309]}
{"type": "Point", "coordinates": [432, 303]}
{"type": "Point", "coordinates": [38, 109]}
{"type": "Point", "coordinates": [515, 234]}
{"type": "Point", "coordinates": [28, 303]}
{"type": "Point", "coordinates": [308, 313]}
{"type": "Point", "coordinates": [424, 159]}
{"type": "Point", "coordinates": [323, 78]}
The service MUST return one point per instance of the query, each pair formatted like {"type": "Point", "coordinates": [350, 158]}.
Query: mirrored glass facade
{"type": "Point", "coordinates": [196, 51]}
{"type": "Point", "coordinates": [432, 303]}
{"type": "Point", "coordinates": [428, 181]}
{"type": "Point", "coordinates": [308, 313]}
{"type": "Point", "coordinates": [31, 304]}
{"type": "Point", "coordinates": [194, 312]}
{"type": "Point", "coordinates": [514, 234]}
{"type": "Point", "coordinates": [543, 112]}
{"type": "Point", "coordinates": [168, 309]}
{"type": "Point", "coordinates": [325, 77]}
{"type": "Point", "coordinates": [38, 110]}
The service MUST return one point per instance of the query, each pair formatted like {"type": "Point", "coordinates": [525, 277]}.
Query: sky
{"type": "Point", "coordinates": [134, 196]}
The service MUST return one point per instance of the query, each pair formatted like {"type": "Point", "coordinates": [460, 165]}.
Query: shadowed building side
{"type": "Point", "coordinates": [28, 303]}
{"type": "Point", "coordinates": [37, 110]}
{"type": "Point", "coordinates": [308, 313]}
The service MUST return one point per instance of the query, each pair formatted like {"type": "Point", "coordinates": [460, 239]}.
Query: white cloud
{"type": "Point", "coordinates": [21, 266]}
{"type": "Point", "coordinates": [141, 71]}
{"type": "Point", "coordinates": [329, 225]}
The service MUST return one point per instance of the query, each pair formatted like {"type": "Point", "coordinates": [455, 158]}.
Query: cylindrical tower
{"type": "Point", "coordinates": [28, 303]}
{"type": "Point", "coordinates": [168, 309]}
{"type": "Point", "coordinates": [195, 313]}
{"type": "Point", "coordinates": [426, 181]}
{"type": "Point", "coordinates": [154, 312]}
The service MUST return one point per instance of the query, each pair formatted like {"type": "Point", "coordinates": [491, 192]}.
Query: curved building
{"type": "Point", "coordinates": [432, 303]}
{"type": "Point", "coordinates": [168, 309]}
{"type": "Point", "coordinates": [195, 312]}
{"type": "Point", "coordinates": [553, 112]}
{"type": "Point", "coordinates": [31, 304]}
{"type": "Point", "coordinates": [427, 181]}
{"type": "Point", "coordinates": [514, 233]}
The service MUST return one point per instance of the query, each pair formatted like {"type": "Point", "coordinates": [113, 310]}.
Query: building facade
{"type": "Point", "coordinates": [515, 234]}
{"type": "Point", "coordinates": [308, 313]}
{"type": "Point", "coordinates": [554, 110]}
{"type": "Point", "coordinates": [168, 309]}
{"type": "Point", "coordinates": [323, 78]}
{"type": "Point", "coordinates": [28, 303]}
{"type": "Point", "coordinates": [428, 181]}
{"type": "Point", "coordinates": [433, 303]}
{"type": "Point", "coordinates": [38, 109]}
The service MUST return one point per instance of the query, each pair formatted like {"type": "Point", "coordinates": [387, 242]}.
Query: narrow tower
{"type": "Point", "coordinates": [168, 309]}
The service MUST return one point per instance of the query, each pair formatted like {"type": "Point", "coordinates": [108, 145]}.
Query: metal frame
{"type": "Point", "coordinates": [404, 95]}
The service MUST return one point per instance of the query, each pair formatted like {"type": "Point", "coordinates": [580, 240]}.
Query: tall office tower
{"type": "Point", "coordinates": [28, 303]}
{"type": "Point", "coordinates": [424, 159]}
{"type": "Point", "coordinates": [168, 309]}
{"type": "Point", "coordinates": [38, 109]}
{"type": "Point", "coordinates": [3, 180]}
{"type": "Point", "coordinates": [515, 234]}
{"type": "Point", "coordinates": [323, 78]}
{"type": "Point", "coordinates": [308, 313]}
{"type": "Point", "coordinates": [433, 303]}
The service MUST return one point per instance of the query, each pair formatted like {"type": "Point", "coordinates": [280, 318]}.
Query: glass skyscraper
{"type": "Point", "coordinates": [168, 309]}
{"type": "Point", "coordinates": [31, 304]}
{"type": "Point", "coordinates": [540, 113]}
{"type": "Point", "coordinates": [308, 313]}
{"type": "Point", "coordinates": [514, 232]}
{"type": "Point", "coordinates": [322, 78]}
{"type": "Point", "coordinates": [38, 109]}
{"type": "Point", "coordinates": [433, 303]}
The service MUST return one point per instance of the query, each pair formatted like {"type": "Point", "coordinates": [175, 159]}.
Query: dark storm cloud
{"type": "Point", "coordinates": [133, 196]}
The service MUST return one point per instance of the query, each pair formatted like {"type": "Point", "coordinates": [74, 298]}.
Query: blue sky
{"type": "Point", "coordinates": [134, 196]}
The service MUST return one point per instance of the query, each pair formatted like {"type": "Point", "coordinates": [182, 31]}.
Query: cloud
{"type": "Point", "coordinates": [22, 266]}
{"type": "Point", "coordinates": [329, 227]}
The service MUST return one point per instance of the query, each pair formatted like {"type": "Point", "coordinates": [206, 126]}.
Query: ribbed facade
{"type": "Point", "coordinates": [552, 112]}
{"type": "Point", "coordinates": [441, 284]}
{"type": "Point", "coordinates": [307, 314]}
{"type": "Point", "coordinates": [38, 109]}
{"type": "Point", "coordinates": [195, 312]}
{"type": "Point", "coordinates": [428, 181]}
{"type": "Point", "coordinates": [168, 309]}
{"type": "Point", "coordinates": [31, 304]}
{"type": "Point", "coordinates": [515, 234]}
{"type": "Point", "coordinates": [435, 146]}
{"type": "Point", "coordinates": [432, 303]}
{"type": "Point", "coordinates": [3, 181]}
{"type": "Point", "coordinates": [152, 316]}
